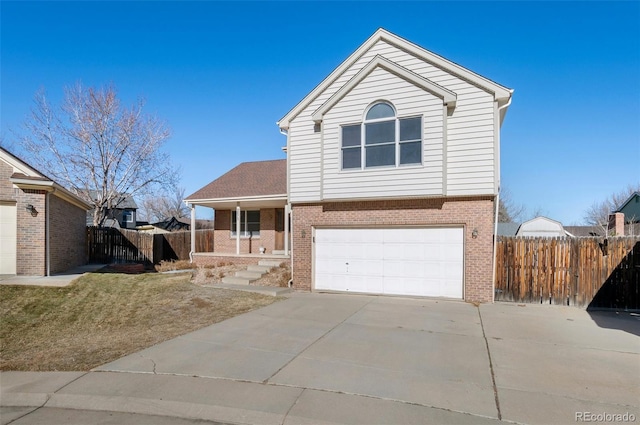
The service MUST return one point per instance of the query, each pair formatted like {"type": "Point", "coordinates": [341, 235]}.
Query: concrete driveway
{"type": "Point", "coordinates": [321, 358]}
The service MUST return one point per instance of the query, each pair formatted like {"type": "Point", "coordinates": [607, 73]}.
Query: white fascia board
{"type": "Point", "coordinates": [237, 199]}
{"type": "Point", "coordinates": [52, 187]}
{"type": "Point", "coordinates": [501, 93]}
{"type": "Point", "coordinates": [448, 97]}
{"type": "Point", "coordinates": [19, 165]}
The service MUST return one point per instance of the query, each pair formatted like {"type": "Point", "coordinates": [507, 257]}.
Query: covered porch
{"type": "Point", "coordinates": [251, 214]}
{"type": "Point", "coordinates": [247, 227]}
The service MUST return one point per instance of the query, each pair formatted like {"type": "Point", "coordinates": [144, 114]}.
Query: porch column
{"type": "Point", "coordinates": [193, 232]}
{"type": "Point", "coordinates": [286, 229]}
{"type": "Point", "coordinates": [238, 228]}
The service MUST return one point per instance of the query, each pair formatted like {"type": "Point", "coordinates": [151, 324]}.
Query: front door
{"type": "Point", "coordinates": [279, 242]}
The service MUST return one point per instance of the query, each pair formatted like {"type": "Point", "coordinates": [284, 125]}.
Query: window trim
{"type": "Point", "coordinates": [244, 234]}
{"type": "Point", "coordinates": [397, 142]}
{"type": "Point", "coordinates": [127, 216]}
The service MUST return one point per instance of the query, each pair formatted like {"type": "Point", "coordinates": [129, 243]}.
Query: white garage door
{"type": "Point", "coordinates": [402, 261]}
{"type": "Point", "coordinates": [8, 230]}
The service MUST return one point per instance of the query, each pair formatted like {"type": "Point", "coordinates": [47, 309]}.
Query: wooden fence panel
{"type": "Point", "coordinates": [111, 245]}
{"type": "Point", "coordinates": [572, 271]}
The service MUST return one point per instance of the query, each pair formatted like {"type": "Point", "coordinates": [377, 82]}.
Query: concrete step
{"type": "Point", "coordinates": [278, 252]}
{"type": "Point", "coordinates": [259, 269]}
{"type": "Point", "coordinates": [270, 263]}
{"type": "Point", "coordinates": [249, 274]}
{"type": "Point", "coordinates": [266, 290]}
{"type": "Point", "coordinates": [235, 280]}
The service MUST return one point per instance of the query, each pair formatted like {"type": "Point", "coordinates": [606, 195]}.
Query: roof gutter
{"type": "Point", "coordinates": [52, 187]}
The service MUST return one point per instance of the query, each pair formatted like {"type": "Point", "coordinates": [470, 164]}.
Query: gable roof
{"type": "Point", "coordinates": [249, 179]}
{"type": "Point", "coordinates": [633, 195]}
{"type": "Point", "coordinates": [501, 93]}
{"type": "Point", "coordinates": [448, 97]}
{"type": "Point", "coordinates": [124, 200]}
{"type": "Point", "coordinates": [28, 177]}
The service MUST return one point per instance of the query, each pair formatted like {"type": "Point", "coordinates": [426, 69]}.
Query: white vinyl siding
{"type": "Point", "coordinates": [404, 180]}
{"type": "Point", "coordinates": [470, 152]}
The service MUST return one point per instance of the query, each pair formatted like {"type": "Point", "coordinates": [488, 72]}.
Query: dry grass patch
{"type": "Point", "coordinates": [104, 316]}
{"type": "Point", "coordinates": [278, 277]}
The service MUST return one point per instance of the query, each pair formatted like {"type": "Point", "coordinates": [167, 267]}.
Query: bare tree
{"type": "Point", "coordinates": [97, 147]}
{"type": "Point", "coordinates": [598, 213]}
{"type": "Point", "coordinates": [158, 208]}
{"type": "Point", "coordinates": [508, 210]}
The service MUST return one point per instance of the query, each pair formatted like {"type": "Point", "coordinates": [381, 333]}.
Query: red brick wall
{"type": "Point", "coordinates": [31, 255]}
{"type": "Point", "coordinates": [7, 192]}
{"type": "Point", "coordinates": [472, 213]}
{"type": "Point", "coordinates": [223, 242]}
{"type": "Point", "coordinates": [68, 233]}
{"type": "Point", "coordinates": [218, 259]}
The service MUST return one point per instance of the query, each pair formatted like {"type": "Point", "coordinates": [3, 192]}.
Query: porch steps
{"type": "Point", "coordinates": [278, 252]}
{"type": "Point", "coordinates": [237, 280]}
{"type": "Point", "coordinates": [270, 263]}
{"type": "Point", "coordinates": [259, 269]}
{"type": "Point", "coordinates": [253, 272]}
{"type": "Point", "coordinates": [249, 274]}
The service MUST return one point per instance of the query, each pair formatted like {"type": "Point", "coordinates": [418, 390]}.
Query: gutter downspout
{"type": "Point", "coordinates": [495, 224]}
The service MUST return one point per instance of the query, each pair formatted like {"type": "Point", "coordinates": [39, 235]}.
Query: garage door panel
{"type": "Point", "coordinates": [8, 238]}
{"type": "Point", "coordinates": [409, 261]}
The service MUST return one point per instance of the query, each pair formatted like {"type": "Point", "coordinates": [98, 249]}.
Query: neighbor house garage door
{"type": "Point", "coordinates": [402, 261]}
{"type": "Point", "coordinates": [8, 230]}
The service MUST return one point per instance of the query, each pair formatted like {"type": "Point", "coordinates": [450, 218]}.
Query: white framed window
{"type": "Point", "coordinates": [382, 140]}
{"type": "Point", "coordinates": [249, 224]}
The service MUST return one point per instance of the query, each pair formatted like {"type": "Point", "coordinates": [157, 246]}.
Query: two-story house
{"type": "Point", "coordinates": [122, 214]}
{"type": "Point", "coordinates": [392, 177]}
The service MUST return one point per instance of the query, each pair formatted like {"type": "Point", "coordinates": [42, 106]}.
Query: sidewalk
{"type": "Point", "coordinates": [349, 359]}
{"type": "Point", "coordinates": [58, 279]}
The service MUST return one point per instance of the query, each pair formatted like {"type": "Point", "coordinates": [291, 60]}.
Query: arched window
{"type": "Point", "coordinates": [382, 139]}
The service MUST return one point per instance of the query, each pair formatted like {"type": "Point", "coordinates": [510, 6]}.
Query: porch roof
{"type": "Point", "coordinates": [252, 184]}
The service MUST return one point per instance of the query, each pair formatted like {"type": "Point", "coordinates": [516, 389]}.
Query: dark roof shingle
{"type": "Point", "coordinates": [261, 178]}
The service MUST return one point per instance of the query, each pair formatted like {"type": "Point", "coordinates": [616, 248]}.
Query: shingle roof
{"type": "Point", "coordinates": [124, 201]}
{"type": "Point", "coordinates": [261, 178]}
{"type": "Point", "coordinates": [507, 229]}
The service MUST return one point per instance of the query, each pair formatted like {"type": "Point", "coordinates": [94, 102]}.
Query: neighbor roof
{"type": "Point", "coordinates": [633, 195]}
{"type": "Point", "coordinates": [29, 178]}
{"type": "Point", "coordinates": [249, 179]}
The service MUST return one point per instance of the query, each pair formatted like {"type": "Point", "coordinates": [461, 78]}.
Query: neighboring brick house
{"type": "Point", "coordinates": [393, 172]}
{"type": "Point", "coordinates": [42, 225]}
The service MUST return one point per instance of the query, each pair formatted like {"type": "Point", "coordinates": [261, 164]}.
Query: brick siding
{"type": "Point", "coordinates": [31, 253]}
{"type": "Point", "coordinates": [7, 191]}
{"type": "Point", "coordinates": [223, 242]}
{"type": "Point", "coordinates": [68, 235]}
{"type": "Point", "coordinates": [471, 213]}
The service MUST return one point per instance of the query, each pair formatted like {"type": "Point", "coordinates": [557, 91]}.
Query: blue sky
{"type": "Point", "coordinates": [221, 74]}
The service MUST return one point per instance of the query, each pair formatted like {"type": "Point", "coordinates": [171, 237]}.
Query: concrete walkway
{"type": "Point", "coordinates": [346, 359]}
{"type": "Point", "coordinates": [58, 279]}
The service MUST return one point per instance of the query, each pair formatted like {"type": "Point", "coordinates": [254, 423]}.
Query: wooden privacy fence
{"type": "Point", "coordinates": [110, 245]}
{"type": "Point", "coordinates": [585, 272]}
